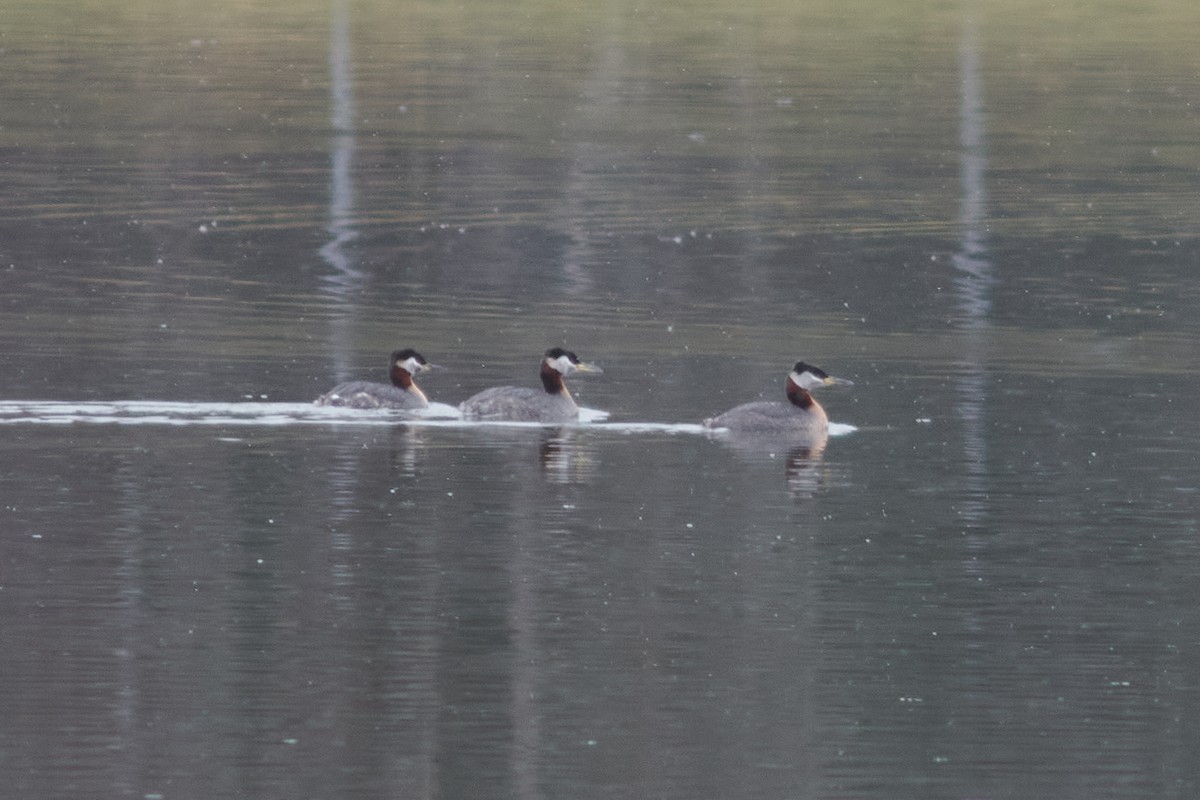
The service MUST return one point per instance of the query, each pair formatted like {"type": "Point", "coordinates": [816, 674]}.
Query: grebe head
{"type": "Point", "coordinates": [405, 364]}
{"type": "Point", "coordinates": [559, 362]}
{"type": "Point", "coordinates": [808, 377]}
{"type": "Point", "coordinates": [805, 377]}
{"type": "Point", "coordinates": [564, 362]}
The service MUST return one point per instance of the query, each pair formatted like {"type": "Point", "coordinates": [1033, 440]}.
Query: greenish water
{"type": "Point", "coordinates": [984, 214]}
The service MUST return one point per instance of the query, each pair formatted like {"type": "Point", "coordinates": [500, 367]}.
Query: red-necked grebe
{"type": "Point", "coordinates": [552, 403]}
{"type": "Point", "coordinates": [403, 393]}
{"type": "Point", "coordinates": [800, 417]}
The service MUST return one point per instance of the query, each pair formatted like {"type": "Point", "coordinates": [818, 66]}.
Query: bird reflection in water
{"type": "Point", "coordinates": [804, 471]}
{"type": "Point", "coordinates": [407, 446]}
{"type": "Point", "coordinates": [564, 459]}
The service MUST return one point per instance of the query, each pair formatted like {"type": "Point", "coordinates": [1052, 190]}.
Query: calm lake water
{"type": "Point", "coordinates": [985, 214]}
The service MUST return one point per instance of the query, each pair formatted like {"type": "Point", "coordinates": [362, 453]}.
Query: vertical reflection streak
{"type": "Point", "coordinates": [345, 279]}
{"type": "Point", "coordinates": [975, 277]}
{"type": "Point", "coordinates": [974, 282]}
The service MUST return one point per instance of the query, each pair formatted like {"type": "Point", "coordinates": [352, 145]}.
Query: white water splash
{"type": "Point", "coordinates": [437, 415]}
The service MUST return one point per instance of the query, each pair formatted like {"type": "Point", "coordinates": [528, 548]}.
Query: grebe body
{"type": "Point", "coordinates": [801, 417]}
{"type": "Point", "coordinates": [403, 393]}
{"type": "Point", "coordinates": [551, 403]}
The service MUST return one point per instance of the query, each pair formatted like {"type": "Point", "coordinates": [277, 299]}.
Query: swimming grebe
{"type": "Point", "coordinates": [553, 403]}
{"type": "Point", "coordinates": [403, 393]}
{"type": "Point", "coordinates": [801, 417]}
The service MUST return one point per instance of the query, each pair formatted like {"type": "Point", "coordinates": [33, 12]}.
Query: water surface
{"type": "Point", "coordinates": [982, 213]}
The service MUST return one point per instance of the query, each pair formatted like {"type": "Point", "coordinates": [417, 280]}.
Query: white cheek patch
{"type": "Point", "coordinates": [412, 365]}
{"type": "Point", "coordinates": [806, 380]}
{"type": "Point", "coordinates": [563, 365]}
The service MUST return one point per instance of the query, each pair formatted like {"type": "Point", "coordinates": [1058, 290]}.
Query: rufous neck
{"type": "Point", "coordinates": [799, 397]}
{"type": "Point", "coordinates": [552, 381]}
